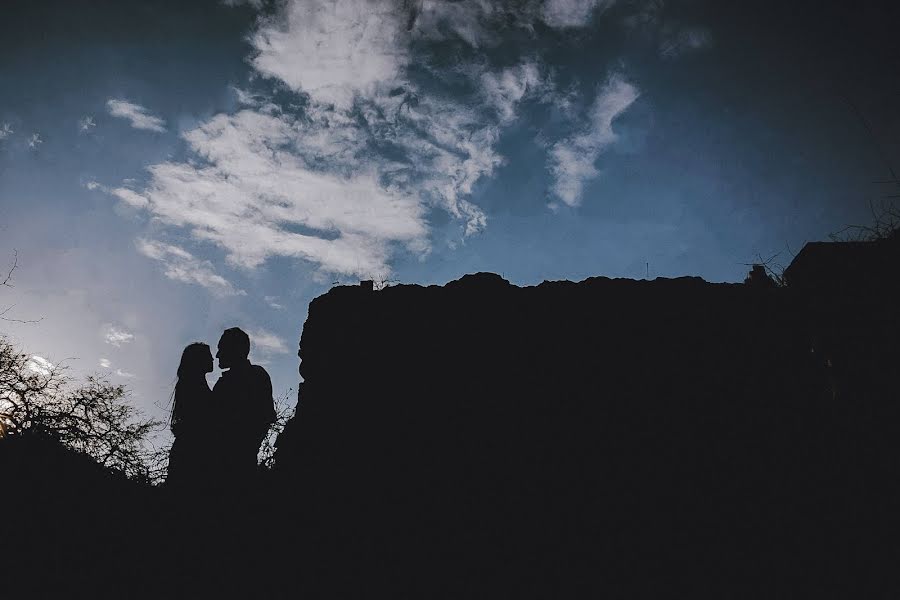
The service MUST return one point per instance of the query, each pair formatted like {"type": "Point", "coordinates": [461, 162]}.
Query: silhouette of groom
{"type": "Point", "coordinates": [243, 400]}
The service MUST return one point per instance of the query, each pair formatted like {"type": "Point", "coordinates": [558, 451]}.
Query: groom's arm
{"type": "Point", "coordinates": [265, 407]}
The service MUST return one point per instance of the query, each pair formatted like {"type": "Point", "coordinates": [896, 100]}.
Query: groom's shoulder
{"type": "Point", "coordinates": [260, 372]}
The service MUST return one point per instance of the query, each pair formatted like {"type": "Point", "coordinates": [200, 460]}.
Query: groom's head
{"type": "Point", "coordinates": [234, 347]}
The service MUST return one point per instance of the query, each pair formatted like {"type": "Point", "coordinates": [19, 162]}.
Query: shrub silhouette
{"type": "Point", "coordinates": [94, 418]}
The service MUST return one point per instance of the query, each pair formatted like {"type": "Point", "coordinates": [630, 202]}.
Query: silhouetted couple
{"type": "Point", "coordinates": [218, 432]}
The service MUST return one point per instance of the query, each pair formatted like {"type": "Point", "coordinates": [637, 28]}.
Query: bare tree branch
{"type": "Point", "coordinates": [7, 282]}
{"type": "Point", "coordinates": [284, 411]}
{"type": "Point", "coordinates": [775, 270]}
{"type": "Point", "coordinates": [94, 418]}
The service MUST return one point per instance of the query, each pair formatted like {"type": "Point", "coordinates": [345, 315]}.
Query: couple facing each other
{"type": "Point", "coordinates": [218, 432]}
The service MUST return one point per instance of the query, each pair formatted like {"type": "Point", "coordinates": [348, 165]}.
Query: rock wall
{"type": "Point", "coordinates": [634, 437]}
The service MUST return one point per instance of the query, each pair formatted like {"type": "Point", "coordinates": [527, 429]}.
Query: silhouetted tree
{"type": "Point", "coordinates": [885, 223]}
{"type": "Point", "coordinates": [94, 418]}
{"type": "Point", "coordinates": [283, 413]}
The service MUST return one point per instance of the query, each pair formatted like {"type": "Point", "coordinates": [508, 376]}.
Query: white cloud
{"type": "Point", "coordinates": [257, 197]}
{"type": "Point", "coordinates": [572, 160]}
{"type": "Point", "coordinates": [183, 266]}
{"type": "Point", "coordinates": [449, 147]}
{"type": "Point", "coordinates": [354, 53]}
{"type": "Point", "coordinates": [6, 130]}
{"type": "Point", "coordinates": [129, 197]}
{"type": "Point", "coordinates": [117, 336]}
{"type": "Point", "coordinates": [474, 21]}
{"type": "Point", "coordinates": [126, 195]}
{"type": "Point", "coordinates": [267, 342]}
{"type": "Point", "coordinates": [85, 124]}
{"type": "Point", "coordinates": [105, 363]}
{"type": "Point", "coordinates": [34, 141]}
{"type": "Point", "coordinates": [571, 13]}
{"type": "Point", "coordinates": [346, 177]}
{"type": "Point", "coordinates": [505, 89]}
{"type": "Point", "coordinates": [333, 49]}
{"type": "Point", "coordinates": [137, 115]}
{"type": "Point", "coordinates": [273, 302]}
{"type": "Point", "coordinates": [310, 186]}
{"type": "Point", "coordinates": [39, 365]}
{"type": "Point", "coordinates": [246, 98]}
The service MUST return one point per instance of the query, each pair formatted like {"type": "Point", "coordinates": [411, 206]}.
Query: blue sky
{"type": "Point", "coordinates": [171, 169]}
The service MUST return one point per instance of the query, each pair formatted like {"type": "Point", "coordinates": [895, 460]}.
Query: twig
{"type": "Point", "coordinates": [8, 279]}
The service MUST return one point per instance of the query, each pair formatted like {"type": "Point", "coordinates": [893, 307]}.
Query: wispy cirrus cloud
{"type": "Point", "coordinates": [181, 265]}
{"type": "Point", "coordinates": [105, 363]}
{"type": "Point", "coordinates": [267, 342]}
{"type": "Point", "coordinates": [572, 13]}
{"type": "Point", "coordinates": [86, 123]}
{"type": "Point", "coordinates": [137, 115]}
{"type": "Point", "coordinates": [504, 89]}
{"type": "Point", "coordinates": [572, 159]}
{"type": "Point", "coordinates": [126, 195]}
{"type": "Point", "coordinates": [117, 336]}
{"type": "Point", "coordinates": [678, 41]}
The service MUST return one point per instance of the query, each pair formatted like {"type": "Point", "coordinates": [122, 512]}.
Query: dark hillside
{"type": "Point", "coordinates": [69, 524]}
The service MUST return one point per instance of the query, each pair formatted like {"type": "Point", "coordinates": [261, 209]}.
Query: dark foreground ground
{"type": "Point", "coordinates": [611, 438]}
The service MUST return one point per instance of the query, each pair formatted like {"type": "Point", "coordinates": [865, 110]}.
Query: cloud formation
{"type": "Point", "coordinates": [181, 265]}
{"type": "Point", "coordinates": [85, 124]}
{"type": "Point", "coordinates": [572, 160]}
{"type": "Point", "coordinates": [272, 301]}
{"type": "Point", "coordinates": [504, 89]}
{"type": "Point", "coordinates": [333, 49]}
{"type": "Point", "coordinates": [137, 115]}
{"type": "Point", "coordinates": [6, 130]}
{"type": "Point", "coordinates": [117, 336]}
{"type": "Point", "coordinates": [375, 135]}
{"type": "Point", "coordinates": [267, 342]}
{"type": "Point", "coordinates": [572, 13]}
{"type": "Point", "coordinates": [349, 177]}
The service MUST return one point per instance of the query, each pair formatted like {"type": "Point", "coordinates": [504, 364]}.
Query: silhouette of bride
{"type": "Point", "coordinates": [191, 408]}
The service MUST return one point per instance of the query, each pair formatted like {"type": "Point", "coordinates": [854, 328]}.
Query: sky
{"type": "Point", "coordinates": [170, 169]}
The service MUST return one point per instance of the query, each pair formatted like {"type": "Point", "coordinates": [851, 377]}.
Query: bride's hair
{"type": "Point", "coordinates": [194, 360]}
